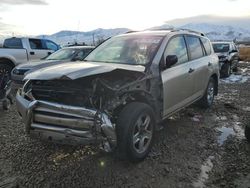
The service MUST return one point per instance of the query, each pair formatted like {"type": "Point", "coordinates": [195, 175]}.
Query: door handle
{"type": "Point", "coordinates": [32, 53]}
{"type": "Point", "coordinates": [209, 64]}
{"type": "Point", "coordinates": [191, 70]}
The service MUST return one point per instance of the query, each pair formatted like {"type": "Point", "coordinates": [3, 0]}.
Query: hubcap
{"type": "Point", "coordinates": [210, 93]}
{"type": "Point", "coordinates": [142, 134]}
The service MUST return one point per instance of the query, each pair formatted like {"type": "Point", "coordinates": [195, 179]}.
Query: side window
{"type": "Point", "coordinates": [36, 44]}
{"type": "Point", "coordinates": [177, 46]}
{"type": "Point", "coordinates": [194, 46]}
{"type": "Point", "coordinates": [51, 45]}
{"type": "Point", "coordinates": [15, 43]}
{"type": "Point", "coordinates": [207, 45]}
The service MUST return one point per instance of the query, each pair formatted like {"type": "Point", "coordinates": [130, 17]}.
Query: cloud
{"type": "Point", "coordinates": [6, 29]}
{"type": "Point", "coordinates": [23, 2]}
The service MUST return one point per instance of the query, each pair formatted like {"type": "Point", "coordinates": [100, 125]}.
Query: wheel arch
{"type": "Point", "coordinates": [215, 77]}
{"type": "Point", "coordinates": [143, 97]}
{"type": "Point", "coordinates": [7, 61]}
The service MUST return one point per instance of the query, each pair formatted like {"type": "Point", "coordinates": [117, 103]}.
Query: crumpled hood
{"type": "Point", "coordinates": [77, 70]}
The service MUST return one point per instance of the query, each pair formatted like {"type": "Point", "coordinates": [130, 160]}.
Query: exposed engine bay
{"type": "Point", "coordinates": [104, 92]}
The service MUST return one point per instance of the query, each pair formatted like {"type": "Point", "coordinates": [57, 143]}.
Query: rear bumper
{"type": "Point", "coordinates": [65, 124]}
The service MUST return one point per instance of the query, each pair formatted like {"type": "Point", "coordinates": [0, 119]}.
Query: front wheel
{"type": "Point", "coordinates": [207, 100]}
{"type": "Point", "coordinates": [135, 131]}
{"type": "Point", "coordinates": [247, 133]}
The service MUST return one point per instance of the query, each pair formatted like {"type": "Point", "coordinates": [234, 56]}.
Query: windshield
{"type": "Point", "coordinates": [220, 47]}
{"type": "Point", "coordinates": [135, 50]}
{"type": "Point", "coordinates": [62, 54]}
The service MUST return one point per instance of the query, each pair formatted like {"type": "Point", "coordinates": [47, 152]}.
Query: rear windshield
{"type": "Point", "coordinates": [13, 43]}
{"type": "Point", "coordinates": [220, 47]}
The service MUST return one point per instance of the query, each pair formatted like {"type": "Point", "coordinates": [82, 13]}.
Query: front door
{"type": "Point", "coordinates": [178, 81]}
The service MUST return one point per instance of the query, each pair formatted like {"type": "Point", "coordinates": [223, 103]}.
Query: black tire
{"type": "Point", "coordinates": [226, 70]}
{"type": "Point", "coordinates": [5, 70]}
{"type": "Point", "coordinates": [134, 140]}
{"type": "Point", "coordinates": [6, 104]}
{"type": "Point", "coordinates": [207, 100]}
{"type": "Point", "coordinates": [247, 133]}
{"type": "Point", "coordinates": [235, 69]}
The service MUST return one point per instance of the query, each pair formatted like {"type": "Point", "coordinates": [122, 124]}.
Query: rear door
{"type": "Point", "coordinates": [38, 49]}
{"type": "Point", "coordinates": [178, 82]}
{"type": "Point", "coordinates": [200, 63]}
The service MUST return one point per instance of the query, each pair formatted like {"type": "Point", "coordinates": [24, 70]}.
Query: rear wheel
{"type": "Point", "coordinates": [207, 100]}
{"type": "Point", "coordinates": [235, 69]}
{"type": "Point", "coordinates": [5, 71]}
{"type": "Point", "coordinates": [247, 133]}
{"type": "Point", "coordinates": [226, 70]}
{"type": "Point", "coordinates": [135, 131]}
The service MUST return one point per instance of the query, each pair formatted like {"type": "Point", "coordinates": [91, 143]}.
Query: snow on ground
{"type": "Point", "coordinates": [236, 79]}
{"type": "Point", "coordinates": [242, 76]}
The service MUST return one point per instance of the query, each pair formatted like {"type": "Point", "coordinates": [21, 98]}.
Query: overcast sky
{"type": "Point", "coordinates": [33, 17]}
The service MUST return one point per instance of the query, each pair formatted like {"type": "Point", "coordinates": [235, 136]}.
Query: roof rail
{"type": "Point", "coordinates": [190, 30]}
{"type": "Point", "coordinates": [177, 29]}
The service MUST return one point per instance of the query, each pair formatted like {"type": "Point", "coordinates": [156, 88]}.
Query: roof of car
{"type": "Point", "coordinates": [163, 32]}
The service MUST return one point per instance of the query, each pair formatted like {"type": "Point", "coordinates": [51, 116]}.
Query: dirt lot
{"type": "Point", "coordinates": [196, 148]}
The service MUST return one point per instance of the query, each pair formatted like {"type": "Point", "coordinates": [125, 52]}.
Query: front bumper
{"type": "Point", "coordinates": [65, 124]}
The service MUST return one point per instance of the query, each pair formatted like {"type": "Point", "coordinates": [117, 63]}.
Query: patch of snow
{"type": "Point", "coordinates": [205, 169]}
{"type": "Point", "coordinates": [236, 79]}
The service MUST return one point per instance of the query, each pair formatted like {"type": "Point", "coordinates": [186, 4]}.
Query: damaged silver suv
{"type": "Point", "coordinates": [125, 87]}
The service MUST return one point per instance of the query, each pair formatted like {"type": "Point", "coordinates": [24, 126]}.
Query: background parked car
{"type": "Point", "coordinates": [61, 56]}
{"type": "Point", "coordinates": [20, 50]}
{"type": "Point", "coordinates": [228, 57]}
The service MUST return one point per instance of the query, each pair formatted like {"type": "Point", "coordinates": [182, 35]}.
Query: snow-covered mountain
{"type": "Point", "coordinates": [219, 32]}
{"type": "Point", "coordinates": [89, 37]}
{"type": "Point", "coordinates": [215, 27]}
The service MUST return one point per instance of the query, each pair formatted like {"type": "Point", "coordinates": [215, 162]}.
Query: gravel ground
{"type": "Point", "coordinates": [196, 148]}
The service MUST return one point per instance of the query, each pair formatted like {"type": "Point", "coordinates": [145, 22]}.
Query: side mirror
{"type": "Point", "coordinates": [171, 60]}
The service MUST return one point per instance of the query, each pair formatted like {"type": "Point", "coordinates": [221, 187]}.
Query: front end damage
{"type": "Point", "coordinates": [80, 111]}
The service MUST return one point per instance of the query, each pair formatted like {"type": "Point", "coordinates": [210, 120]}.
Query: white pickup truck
{"type": "Point", "coordinates": [19, 50]}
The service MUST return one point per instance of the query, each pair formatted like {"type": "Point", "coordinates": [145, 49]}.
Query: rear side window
{"type": "Point", "coordinates": [177, 46]}
{"type": "Point", "coordinates": [51, 45]}
{"type": "Point", "coordinates": [13, 43]}
{"type": "Point", "coordinates": [194, 46]}
{"type": "Point", "coordinates": [207, 46]}
{"type": "Point", "coordinates": [36, 44]}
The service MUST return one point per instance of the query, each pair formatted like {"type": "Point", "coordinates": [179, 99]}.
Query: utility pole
{"type": "Point", "coordinates": [93, 38]}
